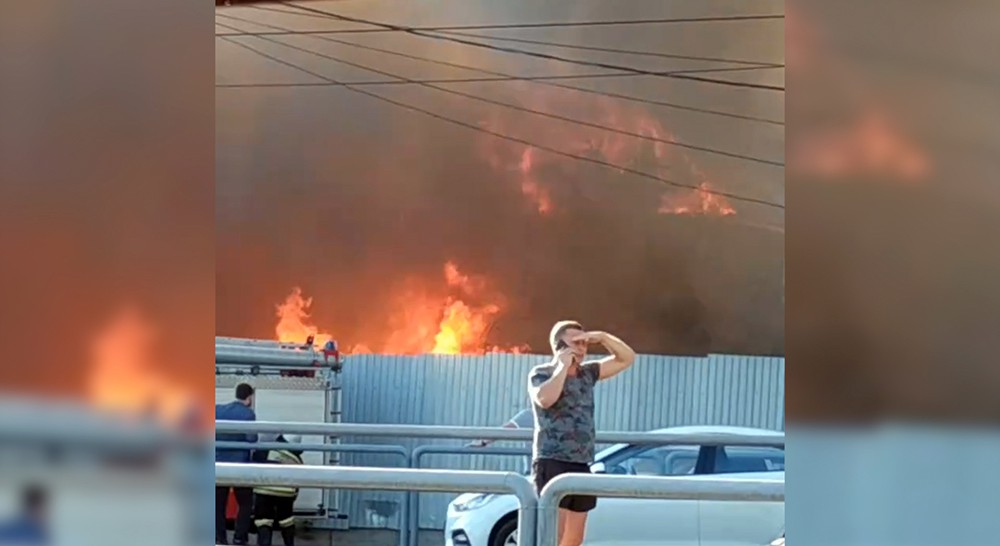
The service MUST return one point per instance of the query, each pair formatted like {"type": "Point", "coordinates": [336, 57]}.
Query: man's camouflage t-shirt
{"type": "Point", "coordinates": [565, 430]}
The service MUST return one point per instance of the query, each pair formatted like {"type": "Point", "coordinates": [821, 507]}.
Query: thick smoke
{"type": "Point", "coordinates": [357, 201]}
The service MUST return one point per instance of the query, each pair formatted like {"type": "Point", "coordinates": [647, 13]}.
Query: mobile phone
{"type": "Point", "coordinates": [560, 345]}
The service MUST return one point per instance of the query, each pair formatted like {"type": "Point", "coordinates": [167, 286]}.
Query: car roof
{"type": "Point", "coordinates": [718, 429]}
{"type": "Point", "coordinates": [697, 429]}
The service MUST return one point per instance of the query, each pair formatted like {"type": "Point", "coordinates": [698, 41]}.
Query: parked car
{"type": "Point", "coordinates": [491, 520]}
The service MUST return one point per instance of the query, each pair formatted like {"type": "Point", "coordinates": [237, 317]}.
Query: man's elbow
{"type": "Point", "coordinates": [541, 401]}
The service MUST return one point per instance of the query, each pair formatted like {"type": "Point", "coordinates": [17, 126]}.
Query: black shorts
{"type": "Point", "coordinates": [545, 470]}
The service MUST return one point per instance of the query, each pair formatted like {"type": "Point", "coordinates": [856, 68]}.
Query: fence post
{"type": "Point", "coordinates": [418, 455]}
{"type": "Point", "coordinates": [672, 487]}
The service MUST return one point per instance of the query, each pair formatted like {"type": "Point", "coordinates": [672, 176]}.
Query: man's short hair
{"type": "Point", "coordinates": [559, 329]}
{"type": "Point", "coordinates": [243, 391]}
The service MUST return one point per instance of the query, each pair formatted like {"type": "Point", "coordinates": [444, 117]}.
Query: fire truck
{"type": "Point", "coordinates": [292, 382]}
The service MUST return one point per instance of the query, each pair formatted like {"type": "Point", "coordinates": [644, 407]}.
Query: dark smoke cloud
{"type": "Point", "coordinates": [348, 197]}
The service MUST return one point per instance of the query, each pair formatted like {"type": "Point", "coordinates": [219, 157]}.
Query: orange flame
{"type": "Point", "coordinates": [530, 186]}
{"type": "Point", "coordinates": [294, 321]}
{"type": "Point", "coordinates": [698, 202]}
{"type": "Point", "coordinates": [124, 378]}
{"type": "Point", "coordinates": [620, 146]}
{"type": "Point", "coordinates": [424, 321]}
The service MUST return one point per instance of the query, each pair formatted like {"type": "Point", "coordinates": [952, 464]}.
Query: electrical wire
{"type": "Point", "coordinates": [503, 76]}
{"type": "Point", "coordinates": [474, 127]}
{"type": "Point", "coordinates": [549, 56]}
{"type": "Point", "coordinates": [363, 83]}
{"type": "Point", "coordinates": [614, 50]}
{"type": "Point", "coordinates": [452, 30]}
{"type": "Point", "coordinates": [500, 26]}
{"type": "Point", "coordinates": [665, 141]}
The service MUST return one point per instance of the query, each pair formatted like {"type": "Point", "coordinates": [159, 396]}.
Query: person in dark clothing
{"type": "Point", "coordinates": [274, 505]}
{"type": "Point", "coordinates": [240, 409]}
{"type": "Point", "coordinates": [29, 529]}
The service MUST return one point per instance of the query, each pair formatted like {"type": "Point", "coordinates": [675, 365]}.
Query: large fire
{"type": "Point", "coordinates": [294, 322]}
{"type": "Point", "coordinates": [636, 141]}
{"type": "Point", "coordinates": [124, 377]}
{"type": "Point", "coordinates": [454, 319]}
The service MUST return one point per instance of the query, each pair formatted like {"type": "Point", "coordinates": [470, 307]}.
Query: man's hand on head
{"type": "Point", "coordinates": [591, 338]}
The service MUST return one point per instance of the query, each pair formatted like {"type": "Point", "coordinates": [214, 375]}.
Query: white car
{"type": "Point", "coordinates": [491, 520]}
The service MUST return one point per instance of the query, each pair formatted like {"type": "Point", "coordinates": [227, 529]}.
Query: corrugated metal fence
{"type": "Point", "coordinates": [659, 391]}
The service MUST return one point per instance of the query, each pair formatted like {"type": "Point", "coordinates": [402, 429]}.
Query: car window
{"type": "Point", "coordinates": [656, 461]}
{"type": "Point", "coordinates": [731, 460]}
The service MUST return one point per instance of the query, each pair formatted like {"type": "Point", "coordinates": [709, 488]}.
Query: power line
{"type": "Point", "coordinates": [473, 127]}
{"type": "Point", "coordinates": [549, 56]}
{"type": "Point", "coordinates": [238, 32]}
{"type": "Point", "coordinates": [364, 83]}
{"type": "Point", "coordinates": [519, 108]}
{"type": "Point", "coordinates": [500, 26]}
{"type": "Point", "coordinates": [614, 50]}
{"type": "Point", "coordinates": [546, 81]}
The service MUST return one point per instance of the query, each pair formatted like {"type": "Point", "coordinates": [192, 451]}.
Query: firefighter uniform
{"type": "Point", "coordinates": [273, 504]}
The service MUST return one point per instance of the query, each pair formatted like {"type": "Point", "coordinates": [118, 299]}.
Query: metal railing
{"type": "Point", "coordinates": [385, 479]}
{"type": "Point", "coordinates": [677, 488]}
{"type": "Point", "coordinates": [413, 517]}
{"type": "Point", "coordinates": [494, 433]}
{"type": "Point", "coordinates": [409, 522]}
{"type": "Point", "coordinates": [399, 451]}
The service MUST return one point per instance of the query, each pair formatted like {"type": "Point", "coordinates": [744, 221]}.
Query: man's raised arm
{"type": "Point", "coordinates": [622, 356]}
{"type": "Point", "coordinates": [545, 386]}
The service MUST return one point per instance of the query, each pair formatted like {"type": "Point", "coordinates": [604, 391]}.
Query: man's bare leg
{"type": "Point", "coordinates": [572, 526]}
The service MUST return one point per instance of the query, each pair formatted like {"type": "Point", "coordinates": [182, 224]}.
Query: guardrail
{"type": "Point", "coordinates": [493, 433]}
{"type": "Point", "coordinates": [413, 517]}
{"type": "Point", "coordinates": [400, 451]}
{"type": "Point", "coordinates": [680, 488]}
{"type": "Point", "coordinates": [386, 479]}
{"type": "Point", "coordinates": [409, 524]}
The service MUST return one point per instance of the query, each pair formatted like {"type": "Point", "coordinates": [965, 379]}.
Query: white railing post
{"type": "Point", "coordinates": [677, 488]}
{"type": "Point", "coordinates": [390, 479]}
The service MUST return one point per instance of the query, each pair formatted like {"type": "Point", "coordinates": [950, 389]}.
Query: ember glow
{"type": "Point", "coordinates": [637, 141]}
{"type": "Point", "coordinates": [868, 146]}
{"type": "Point", "coordinates": [697, 202]}
{"type": "Point", "coordinates": [452, 317]}
{"type": "Point", "coordinates": [124, 377]}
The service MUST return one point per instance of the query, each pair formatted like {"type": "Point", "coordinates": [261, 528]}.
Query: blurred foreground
{"type": "Point", "coordinates": [70, 474]}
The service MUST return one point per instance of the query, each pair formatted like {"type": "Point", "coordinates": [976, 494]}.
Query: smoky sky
{"type": "Point", "coordinates": [351, 198]}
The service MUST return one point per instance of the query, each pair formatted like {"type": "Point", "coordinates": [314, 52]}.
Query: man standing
{"type": "Point", "coordinates": [562, 395]}
{"type": "Point", "coordinates": [240, 409]}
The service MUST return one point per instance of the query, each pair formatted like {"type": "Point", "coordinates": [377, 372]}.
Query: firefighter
{"type": "Point", "coordinates": [274, 504]}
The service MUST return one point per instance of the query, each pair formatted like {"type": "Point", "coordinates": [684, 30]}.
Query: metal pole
{"type": "Point", "coordinates": [247, 342]}
{"type": "Point", "coordinates": [328, 448]}
{"type": "Point", "coordinates": [774, 439]}
{"type": "Point", "coordinates": [385, 479]}
{"type": "Point", "coordinates": [418, 454]}
{"type": "Point", "coordinates": [232, 354]}
{"type": "Point", "coordinates": [673, 488]}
